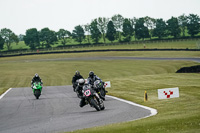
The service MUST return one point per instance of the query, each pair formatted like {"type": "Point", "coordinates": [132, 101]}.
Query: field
{"type": "Point", "coordinates": [129, 79]}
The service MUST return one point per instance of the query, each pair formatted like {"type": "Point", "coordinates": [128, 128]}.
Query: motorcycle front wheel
{"type": "Point", "coordinates": [103, 93]}
{"type": "Point", "coordinates": [94, 104]}
{"type": "Point", "coordinates": [37, 94]}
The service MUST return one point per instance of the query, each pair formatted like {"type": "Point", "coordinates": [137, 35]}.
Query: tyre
{"type": "Point", "coordinates": [101, 104]}
{"type": "Point", "coordinates": [37, 94]}
{"type": "Point", "coordinates": [102, 92]}
{"type": "Point", "coordinates": [102, 108]}
{"type": "Point", "coordinates": [94, 104]}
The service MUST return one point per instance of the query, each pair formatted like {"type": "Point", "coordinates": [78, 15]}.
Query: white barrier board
{"type": "Point", "coordinates": [168, 93]}
{"type": "Point", "coordinates": [107, 84]}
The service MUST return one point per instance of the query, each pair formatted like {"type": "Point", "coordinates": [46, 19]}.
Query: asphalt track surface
{"type": "Point", "coordinates": [58, 110]}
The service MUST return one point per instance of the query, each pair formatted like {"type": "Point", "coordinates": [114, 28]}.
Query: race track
{"type": "Point", "coordinates": [58, 110]}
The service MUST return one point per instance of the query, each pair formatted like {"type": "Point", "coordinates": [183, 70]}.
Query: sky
{"type": "Point", "coordinates": [21, 15]}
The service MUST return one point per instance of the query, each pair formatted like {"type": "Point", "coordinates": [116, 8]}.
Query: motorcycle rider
{"type": "Point", "coordinates": [83, 100]}
{"type": "Point", "coordinates": [75, 78]}
{"type": "Point", "coordinates": [91, 79]}
{"type": "Point", "coordinates": [79, 87]}
{"type": "Point", "coordinates": [36, 78]}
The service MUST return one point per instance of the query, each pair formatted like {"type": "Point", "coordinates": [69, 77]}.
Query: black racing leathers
{"type": "Point", "coordinates": [82, 102]}
{"type": "Point", "coordinates": [74, 79]}
{"type": "Point", "coordinates": [79, 91]}
{"type": "Point", "coordinates": [91, 80]}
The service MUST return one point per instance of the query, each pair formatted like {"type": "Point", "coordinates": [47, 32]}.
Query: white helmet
{"type": "Point", "coordinates": [81, 82]}
{"type": "Point", "coordinates": [36, 75]}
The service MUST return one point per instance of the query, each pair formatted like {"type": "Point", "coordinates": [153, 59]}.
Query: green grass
{"type": "Point", "coordinates": [20, 45]}
{"type": "Point", "coordinates": [129, 80]}
{"type": "Point", "coordinates": [180, 54]}
{"type": "Point", "coordinates": [185, 44]}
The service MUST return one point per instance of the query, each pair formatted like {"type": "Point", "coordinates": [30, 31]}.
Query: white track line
{"type": "Point", "coordinates": [153, 111]}
{"type": "Point", "coordinates": [5, 93]}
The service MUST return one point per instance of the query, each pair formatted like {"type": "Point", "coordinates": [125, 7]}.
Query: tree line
{"type": "Point", "coordinates": [115, 28]}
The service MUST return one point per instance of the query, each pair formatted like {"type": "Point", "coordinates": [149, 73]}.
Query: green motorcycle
{"type": "Point", "coordinates": [37, 89]}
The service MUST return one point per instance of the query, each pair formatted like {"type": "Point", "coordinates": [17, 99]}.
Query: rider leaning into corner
{"type": "Point", "coordinates": [91, 79]}
{"type": "Point", "coordinates": [90, 83]}
{"type": "Point", "coordinates": [36, 78]}
{"type": "Point", "coordinates": [75, 78]}
{"type": "Point", "coordinates": [82, 102]}
{"type": "Point", "coordinates": [79, 87]}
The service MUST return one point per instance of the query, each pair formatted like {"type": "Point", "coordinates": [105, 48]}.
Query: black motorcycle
{"type": "Point", "coordinates": [75, 84]}
{"type": "Point", "coordinates": [79, 92]}
{"type": "Point", "coordinates": [93, 98]}
{"type": "Point", "coordinates": [99, 85]}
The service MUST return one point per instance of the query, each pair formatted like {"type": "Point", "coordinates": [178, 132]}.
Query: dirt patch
{"type": "Point", "coordinates": [192, 69]}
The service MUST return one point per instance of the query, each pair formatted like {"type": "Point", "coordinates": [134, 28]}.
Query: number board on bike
{"type": "Point", "coordinates": [87, 93]}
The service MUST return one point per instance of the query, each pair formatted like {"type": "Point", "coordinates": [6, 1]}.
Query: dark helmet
{"type": "Point", "coordinates": [77, 73]}
{"type": "Point", "coordinates": [36, 75]}
{"type": "Point", "coordinates": [91, 74]}
{"type": "Point", "coordinates": [81, 82]}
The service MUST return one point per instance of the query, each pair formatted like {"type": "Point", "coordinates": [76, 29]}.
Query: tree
{"type": "Point", "coordinates": [1, 42]}
{"type": "Point", "coordinates": [31, 38]}
{"type": "Point", "coordinates": [21, 37]}
{"type": "Point", "coordinates": [111, 31]}
{"type": "Point", "coordinates": [95, 32]}
{"type": "Point", "coordinates": [193, 25]}
{"type": "Point", "coordinates": [173, 27]}
{"type": "Point", "coordinates": [102, 25]}
{"type": "Point", "coordinates": [118, 23]}
{"type": "Point", "coordinates": [150, 24]}
{"type": "Point", "coordinates": [62, 35]}
{"type": "Point", "coordinates": [161, 29]}
{"type": "Point", "coordinates": [127, 30]}
{"type": "Point", "coordinates": [47, 37]}
{"type": "Point", "coordinates": [14, 38]}
{"type": "Point", "coordinates": [78, 34]}
{"type": "Point", "coordinates": [133, 23]}
{"type": "Point", "coordinates": [8, 37]}
{"type": "Point", "coordinates": [182, 20]}
{"type": "Point", "coordinates": [87, 29]}
{"type": "Point", "coordinates": [141, 31]}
